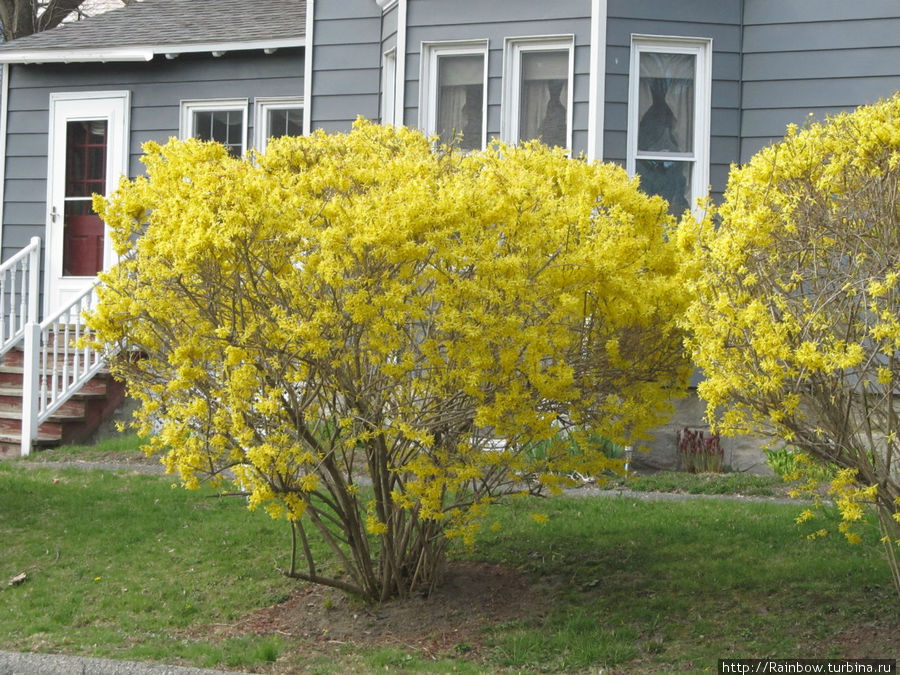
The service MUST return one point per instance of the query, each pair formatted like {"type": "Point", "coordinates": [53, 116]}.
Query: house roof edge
{"type": "Point", "coordinates": [140, 53]}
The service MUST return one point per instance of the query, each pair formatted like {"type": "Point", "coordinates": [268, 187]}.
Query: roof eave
{"type": "Point", "coordinates": [144, 53]}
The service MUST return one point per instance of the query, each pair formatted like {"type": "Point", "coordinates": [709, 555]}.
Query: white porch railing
{"type": "Point", "coordinates": [19, 288]}
{"type": "Point", "coordinates": [55, 366]}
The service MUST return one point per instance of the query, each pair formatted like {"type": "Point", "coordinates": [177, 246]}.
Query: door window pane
{"type": "Point", "coordinates": [460, 99]}
{"type": "Point", "coordinates": [85, 158]}
{"type": "Point", "coordinates": [86, 151]}
{"type": "Point", "coordinates": [666, 102]}
{"type": "Point", "coordinates": [544, 94]}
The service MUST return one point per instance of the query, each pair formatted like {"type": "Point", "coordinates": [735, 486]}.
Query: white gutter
{"type": "Point", "coordinates": [139, 53]}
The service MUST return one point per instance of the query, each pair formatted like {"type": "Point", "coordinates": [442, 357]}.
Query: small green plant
{"type": "Point", "coordinates": [782, 461]}
{"type": "Point", "coordinates": [700, 453]}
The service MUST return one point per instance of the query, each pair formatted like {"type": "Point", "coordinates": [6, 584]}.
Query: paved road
{"type": "Point", "coordinates": [12, 663]}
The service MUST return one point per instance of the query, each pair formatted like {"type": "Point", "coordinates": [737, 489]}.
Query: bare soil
{"type": "Point", "coordinates": [454, 621]}
{"type": "Point", "coordinates": [451, 622]}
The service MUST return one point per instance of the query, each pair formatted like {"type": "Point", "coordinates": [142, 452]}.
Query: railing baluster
{"type": "Point", "coordinates": [3, 277]}
{"type": "Point", "coordinates": [23, 294]}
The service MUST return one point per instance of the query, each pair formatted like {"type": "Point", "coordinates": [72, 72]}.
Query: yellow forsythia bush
{"type": "Point", "coordinates": [375, 335]}
{"type": "Point", "coordinates": [796, 322]}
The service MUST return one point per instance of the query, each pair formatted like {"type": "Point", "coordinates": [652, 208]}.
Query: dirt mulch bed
{"type": "Point", "coordinates": [451, 621]}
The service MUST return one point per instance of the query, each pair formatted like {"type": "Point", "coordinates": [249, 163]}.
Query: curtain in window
{"type": "Point", "coordinates": [666, 96]}
{"type": "Point", "coordinates": [544, 95]}
{"type": "Point", "coordinates": [666, 125]}
{"type": "Point", "coordinates": [460, 95]}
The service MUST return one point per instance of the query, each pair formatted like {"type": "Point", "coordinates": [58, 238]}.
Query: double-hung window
{"type": "Point", "coordinates": [537, 90]}
{"type": "Point", "coordinates": [277, 117]}
{"type": "Point", "coordinates": [389, 86]}
{"type": "Point", "coordinates": [453, 92]}
{"type": "Point", "coordinates": [668, 117]}
{"type": "Point", "coordinates": [222, 120]}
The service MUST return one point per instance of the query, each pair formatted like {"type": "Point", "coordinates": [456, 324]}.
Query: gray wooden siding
{"type": "Point", "coordinates": [346, 63]}
{"type": "Point", "coordinates": [156, 90]}
{"type": "Point", "coordinates": [814, 57]}
{"type": "Point", "coordinates": [439, 21]}
{"type": "Point", "coordinates": [714, 19]}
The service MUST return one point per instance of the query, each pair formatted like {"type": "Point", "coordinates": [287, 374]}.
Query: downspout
{"type": "Point", "coordinates": [741, 85]}
{"type": "Point", "coordinates": [4, 108]}
{"type": "Point", "coordinates": [400, 84]}
{"type": "Point", "coordinates": [597, 84]}
{"type": "Point", "coordinates": [308, 67]}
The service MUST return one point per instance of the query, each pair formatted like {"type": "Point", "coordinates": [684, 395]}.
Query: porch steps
{"type": "Point", "coordinates": [75, 420]}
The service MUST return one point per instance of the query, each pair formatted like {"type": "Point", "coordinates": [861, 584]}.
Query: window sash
{"type": "Point", "coordinates": [222, 120]}
{"type": "Point", "coordinates": [453, 92]}
{"type": "Point", "coordinates": [537, 90]}
{"type": "Point", "coordinates": [669, 107]}
{"type": "Point", "coordinates": [283, 109]}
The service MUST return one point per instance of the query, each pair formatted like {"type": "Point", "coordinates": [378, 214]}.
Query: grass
{"type": "Point", "coordinates": [118, 447]}
{"type": "Point", "coordinates": [674, 586]}
{"type": "Point", "coordinates": [122, 565]}
{"type": "Point", "coordinates": [117, 564]}
{"type": "Point", "coordinates": [703, 483]}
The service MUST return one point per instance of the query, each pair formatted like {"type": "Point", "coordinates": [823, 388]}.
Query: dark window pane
{"type": "Point", "coordinates": [670, 180]}
{"type": "Point", "coordinates": [544, 94]}
{"type": "Point", "coordinates": [85, 158]}
{"type": "Point", "coordinates": [460, 88]}
{"type": "Point", "coordinates": [666, 102]}
{"type": "Point", "coordinates": [224, 126]}
{"type": "Point", "coordinates": [284, 122]}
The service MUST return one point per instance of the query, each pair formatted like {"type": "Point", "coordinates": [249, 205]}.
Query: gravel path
{"type": "Point", "coordinates": [12, 663]}
{"type": "Point", "coordinates": [587, 490]}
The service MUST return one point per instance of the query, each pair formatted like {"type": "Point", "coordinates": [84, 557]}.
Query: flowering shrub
{"type": "Point", "coordinates": [796, 323]}
{"type": "Point", "coordinates": [360, 310]}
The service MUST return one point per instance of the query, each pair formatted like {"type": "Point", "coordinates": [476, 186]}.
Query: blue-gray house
{"type": "Point", "coordinates": [674, 91]}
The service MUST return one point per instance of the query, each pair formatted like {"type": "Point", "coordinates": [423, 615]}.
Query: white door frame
{"type": "Point", "coordinates": [115, 108]}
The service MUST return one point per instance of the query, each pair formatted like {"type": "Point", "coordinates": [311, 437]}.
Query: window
{"type": "Point", "coordinates": [277, 117]}
{"type": "Point", "coordinates": [453, 88]}
{"type": "Point", "coordinates": [388, 86]}
{"type": "Point", "coordinates": [668, 117]}
{"type": "Point", "coordinates": [224, 121]}
{"type": "Point", "coordinates": [537, 90]}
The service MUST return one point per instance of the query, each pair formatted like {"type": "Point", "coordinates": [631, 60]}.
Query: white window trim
{"type": "Point", "coordinates": [261, 106]}
{"type": "Point", "coordinates": [389, 86]}
{"type": "Point", "coordinates": [431, 52]}
{"type": "Point", "coordinates": [513, 48]}
{"type": "Point", "coordinates": [701, 48]}
{"type": "Point", "coordinates": [188, 108]}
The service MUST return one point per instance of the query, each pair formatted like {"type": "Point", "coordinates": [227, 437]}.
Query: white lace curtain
{"type": "Point", "coordinates": [460, 107]}
{"type": "Point", "coordinates": [544, 97]}
{"type": "Point", "coordinates": [666, 98]}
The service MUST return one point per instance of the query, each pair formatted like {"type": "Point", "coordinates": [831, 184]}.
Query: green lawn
{"type": "Point", "coordinates": [124, 565]}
